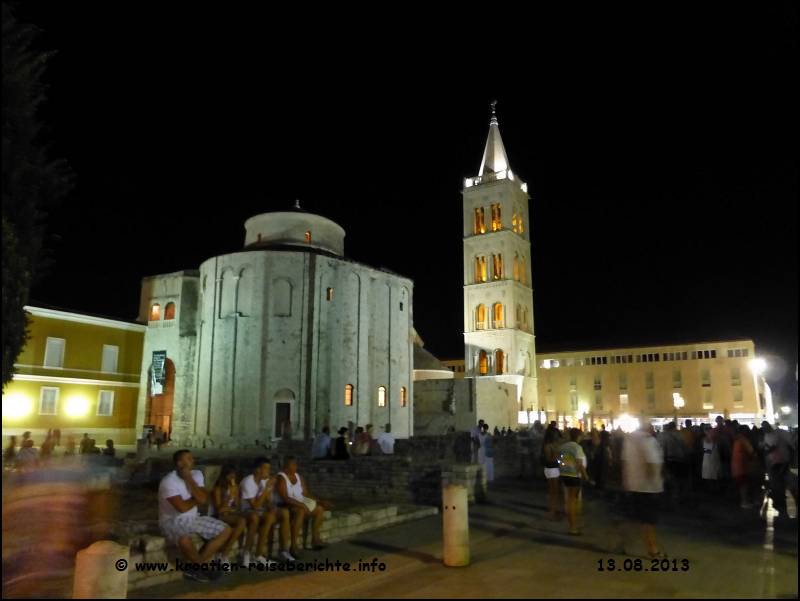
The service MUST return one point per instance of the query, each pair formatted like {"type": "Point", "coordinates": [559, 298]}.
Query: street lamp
{"type": "Point", "coordinates": [786, 409]}
{"type": "Point", "coordinates": [758, 366]}
{"type": "Point", "coordinates": [678, 403]}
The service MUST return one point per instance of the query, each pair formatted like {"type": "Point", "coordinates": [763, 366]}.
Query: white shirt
{"type": "Point", "coordinates": [386, 443]}
{"type": "Point", "coordinates": [293, 491]}
{"type": "Point", "coordinates": [173, 485]}
{"type": "Point", "coordinates": [638, 450]}
{"type": "Point", "coordinates": [250, 490]}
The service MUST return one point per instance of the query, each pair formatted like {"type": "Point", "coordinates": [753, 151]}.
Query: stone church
{"type": "Point", "coordinates": [276, 340]}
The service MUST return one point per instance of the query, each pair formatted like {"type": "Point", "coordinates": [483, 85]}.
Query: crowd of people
{"type": "Point", "coordinates": [24, 455]}
{"type": "Point", "coordinates": [729, 462]}
{"type": "Point", "coordinates": [352, 442]}
{"type": "Point", "coordinates": [245, 510]}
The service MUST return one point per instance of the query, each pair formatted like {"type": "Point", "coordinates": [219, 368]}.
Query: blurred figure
{"type": "Point", "coordinates": [675, 460]}
{"type": "Point", "coordinates": [711, 467]}
{"type": "Point", "coordinates": [603, 460]}
{"type": "Point", "coordinates": [778, 454]}
{"type": "Point", "coordinates": [642, 461]}
{"type": "Point", "coordinates": [743, 456]}
{"type": "Point", "coordinates": [10, 453]}
{"type": "Point", "coordinates": [225, 505]}
{"type": "Point", "coordinates": [321, 447]}
{"type": "Point", "coordinates": [363, 442]}
{"type": "Point", "coordinates": [85, 444]}
{"type": "Point", "coordinates": [386, 440]}
{"type": "Point", "coordinates": [487, 447]}
{"type": "Point", "coordinates": [110, 451]}
{"type": "Point", "coordinates": [27, 458]}
{"type": "Point", "coordinates": [340, 450]}
{"type": "Point", "coordinates": [69, 447]}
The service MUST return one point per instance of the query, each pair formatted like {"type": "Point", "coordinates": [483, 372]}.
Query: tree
{"type": "Point", "coordinates": [31, 181]}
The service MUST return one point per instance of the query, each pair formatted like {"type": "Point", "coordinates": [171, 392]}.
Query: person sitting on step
{"type": "Point", "coordinates": [293, 494]}
{"type": "Point", "coordinates": [257, 492]}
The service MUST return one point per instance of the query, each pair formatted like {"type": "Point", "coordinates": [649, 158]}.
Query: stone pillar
{"type": "Point", "coordinates": [98, 574]}
{"type": "Point", "coordinates": [455, 532]}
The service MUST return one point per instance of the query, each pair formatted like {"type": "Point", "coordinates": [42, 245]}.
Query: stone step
{"type": "Point", "coordinates": [339, 525]}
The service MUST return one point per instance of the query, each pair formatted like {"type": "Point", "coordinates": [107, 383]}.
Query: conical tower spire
{"type": "Point", "coordinates": [494, 155]}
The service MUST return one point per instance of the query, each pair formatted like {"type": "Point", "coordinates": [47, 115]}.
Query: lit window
{"type": "Point", "coordinates": [54, 352]}
{"type": "Point", "coordinates": [110, 358]}
{"type": "Point", "coordinates": [516, 267]}
{"type": "Point", "coordinates": [499, 362]}
{"type": "Point", "coordinates": [480, 225]}
{"type": "Point", "coordinates": [497, 272]}
{"type": "Point", "coordinates": [348, 395]}
{"type": "Point", "coordinates": [623, 399]}
{"type": "Point", "coordinates": [498, 315]}
{"type": "Point", "coordinates": [480, 317]}
{"type": "Point", "coordinates": [105, 403]}
{"type": "Point", "coordinates": [155, 312]}
{"type": "Point", "coordinates": [381, 396]}
{"type": "Point", "coordinates": [308, 236]}
{"type": "Point", "coordinates": [329, 294]}
{"type": "Point", "coordinates": [483, 363]}
{"type": "Point", "coordinates": [402, 396]}
{"type": "Point", "coordinates": [520, 223]}
{"type": "Point", "coordinates": [169, 311]}
{"type": "Point", "coordinates": [497, 222]}
{"type": "Point", "coordinates": [48, 400]}
{"type": "Point", "coordinates": [514, 221]}
{"type": "Point", "coordinates": [523, 273]}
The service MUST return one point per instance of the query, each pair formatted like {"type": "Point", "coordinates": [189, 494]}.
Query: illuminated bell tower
{"type": "Point", "coordinates": [498, 293]}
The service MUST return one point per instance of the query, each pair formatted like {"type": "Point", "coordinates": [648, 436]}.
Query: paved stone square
{"type": "Point", "coordinates": [517, 552]}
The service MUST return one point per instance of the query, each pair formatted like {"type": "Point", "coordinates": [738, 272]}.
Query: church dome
{"type": "Point", "coordinates": [296, 228]}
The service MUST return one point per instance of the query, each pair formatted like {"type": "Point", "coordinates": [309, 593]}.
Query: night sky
{"type": "Point", "coordinates": [659, 151]}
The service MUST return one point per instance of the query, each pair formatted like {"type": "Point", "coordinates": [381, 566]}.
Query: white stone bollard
{"type": "Point", "coordinates": [455, 519]}
{"type": "Point", "coordinates": [101, 571]}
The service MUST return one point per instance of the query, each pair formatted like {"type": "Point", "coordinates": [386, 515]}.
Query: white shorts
{"type": "Point", "coordinates": [551, 472]}
{"type": "Point", "coordinates": [204, 526]}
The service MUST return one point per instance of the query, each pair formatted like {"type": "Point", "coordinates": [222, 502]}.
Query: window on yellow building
{"type": "Point", "coordinates": [480, 317]}
{"type": "Point", "coordinates": [54, 352]}
{"type": "Point", "coordinates": [480, 224]}
{"type": "Point", "coordinates": [736, 377]}
{"type": "Point", "coordinates": [48, 400]}
{"type": "Point", "coordinates": [497, 221]}
{"type": "Point", "coordinates": [105, 403]}
{"type": "Point", "coordinates": [110, 358]}
{"type": "Point", "coordinates": [348, 395]}
{"type": "Point", "coordinates": [677, 380]}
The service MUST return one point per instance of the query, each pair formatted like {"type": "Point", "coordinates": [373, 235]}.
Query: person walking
{"type": "Point", "coordinates": [572, 467]}
{"type": "Point", "coordinates": [642, 460]}
{"type": "Point", "coordinates": [549, 460]}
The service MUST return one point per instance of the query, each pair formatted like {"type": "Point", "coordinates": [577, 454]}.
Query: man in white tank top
{"type": "Point", "coordinates": [292, 493]}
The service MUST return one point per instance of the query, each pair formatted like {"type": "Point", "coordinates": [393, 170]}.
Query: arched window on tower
{"type": "Point", "coordinates": [480, 223]}
{"type": "Point", "coordinates": [381, 396]}
{"type": "Point", "coordinates": [519, 316]}
{"type": "Point", "coordinates": [480, 269]}
{"type": "Point", "coordinates": [516, 266]}
{"type": "Point", "coordinates": [480, 317]}
{"type": "Point", "coordinates": [169, 311]}
{"type": "Point", "coordinates": [520, 222]}
{"type": "Point", "coordinates": [499, 362]}
{"type": "Point", "coordinates": [483, 363]}
{"type": "Point", "coordinates": [155, 312]}
{"type": "Point", "coordinates": [497, 221]}
{"type": "Point", "coordinates": [514, 220]}
{"type": "Point", "coordinates": [348, 395]}
{"type": "Point", "coordinates": [403, 398]}
{"type": "Point", "coordinates": [498, 315]}
{"type": "Point", "coordinates": [497, 271]}
{"type": "Point", "coordinates": [523, 271]}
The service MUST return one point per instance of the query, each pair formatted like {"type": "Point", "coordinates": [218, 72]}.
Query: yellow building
{"type": "Point", "coordinates": [622, 386]}
{"type": "Point", "coordinates": [77, 373]}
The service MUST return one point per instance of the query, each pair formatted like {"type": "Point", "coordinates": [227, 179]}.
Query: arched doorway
{"type": "Point", "coordinates": [159, 406]}
{"type": "Point", "coordinates": [283, 402]}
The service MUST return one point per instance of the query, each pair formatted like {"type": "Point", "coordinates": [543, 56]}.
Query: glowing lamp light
{"type": "Point", "coordinates": [758, 366]}
{"type": "Point", "coordinates": [16, 406]}
{"type": "Point", "coordinates": [627, 423]}
{"type": "Point", "coordinates": [522, 417]}
{"type": "Point", "coordinates": [77, 406]}
{"type": "Point", "coordinates": [524, 187]}
{"type": "Point", "coordinates": [786, 409]}
{"type": "Point", "coordinates": [583, 408]}
{"type": "Point", "coordinates": [677, 400]}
